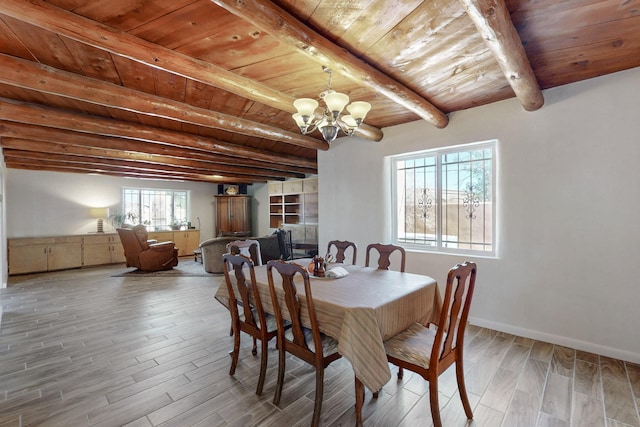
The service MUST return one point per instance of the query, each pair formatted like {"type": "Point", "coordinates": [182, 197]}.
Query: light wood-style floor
{"type": "Point", "coordinates": [83, 348]}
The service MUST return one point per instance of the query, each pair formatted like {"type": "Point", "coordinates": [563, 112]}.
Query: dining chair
{"type": "Point", "coordinates": [247, 313]}
{"type": "Point", "coordinates": [341, 247]}
{"type": "Point", "coordinates": [247, 247]}
{"type": "Point", "coordinates": [308, 344]}
{"type": "Point", "coordinates": [429, 353]}
{"type": "Point", "coordinates": [384, 255]}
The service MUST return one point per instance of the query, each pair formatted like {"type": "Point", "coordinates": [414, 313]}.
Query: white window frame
{"type": "Point", "coordinates": [437, 153]}
{"type": "Point", "coordinates": [168, 191]}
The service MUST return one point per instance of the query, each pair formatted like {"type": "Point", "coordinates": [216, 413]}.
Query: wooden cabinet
{"type": "Point", "coordinates": [98, 249]}
{"type": "Point", "coordinates": [185, 240]}
{"type": "Point", "coordinates": [38, 254]}
{"type": "Point", "coordinates": [233, 214]}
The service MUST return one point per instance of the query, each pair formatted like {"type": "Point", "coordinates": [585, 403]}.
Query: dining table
{"type": "Point", "coordinates": [360, 310]}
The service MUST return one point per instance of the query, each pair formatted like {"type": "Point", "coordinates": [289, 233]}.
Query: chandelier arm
{"type": "Point", "coordinates": [313, 125]}
{"type": "Point", "coordinates": [344, 127]}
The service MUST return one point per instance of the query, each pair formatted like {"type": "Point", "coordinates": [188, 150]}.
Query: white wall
{"type": "Point", "coordinates": [260, 209]}
{"type": "Point", "coordinates": [53, 203]}
{"type": "Point", "coordinates": [568, 211]}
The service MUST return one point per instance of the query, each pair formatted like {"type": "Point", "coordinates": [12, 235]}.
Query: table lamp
{"type": "Point", "coordinates": [100, 214]}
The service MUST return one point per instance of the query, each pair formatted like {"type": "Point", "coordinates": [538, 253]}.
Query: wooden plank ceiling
{"type": "Point", "coordinates": [203, 90]}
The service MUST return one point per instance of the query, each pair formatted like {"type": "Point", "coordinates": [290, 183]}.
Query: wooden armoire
{"type": "Point", "coordinates": [233, 214]}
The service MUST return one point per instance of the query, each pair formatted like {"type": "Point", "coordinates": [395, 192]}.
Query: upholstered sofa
{"type": "Point", "coordinates": [271, 248]}
{"type": "Point", "coordinates": [212, 251]}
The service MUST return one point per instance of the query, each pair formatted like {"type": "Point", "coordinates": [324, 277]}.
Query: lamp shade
{"type": "Point", "coordinates": [299, 120]}
{"type": "Point", "coordinates": [359, 110]}
{"type": "Point", "coordinates": [336, 101]}
{"type": "Point", "coordinates": [99, 212]}
{"type": "Point", "coordinates": [306, 106]}
{"type": "Point", "coordinates": [349, 121]}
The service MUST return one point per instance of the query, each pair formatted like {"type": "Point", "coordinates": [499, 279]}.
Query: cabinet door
{"type": "Point", "coordinates": [310, 185]}
{"type": "Point", "coordinates": [28, 259]}
{"type": "Point", "coordinates": [96, 254]}
{"type": "Point", "coordinates": [65, 255]}
{"type": "Point", "coordinates": [292, 186]}
{"type": "Point", "coordinates": [311, 234]}
{"type": "Point", "coordinates": [222, 214]}
{"type": "Point", "coordinates": [240, 214]}
{"type": "Point", "coordinates": [297, 234]}
{"type": "Point", "coordinates": [117, 252]}
{"type": "Point", "coordinates": [181, 241]}
{"type": "Point", "coordinates": [275, 187]}
{"type": "Point", "coordinates": [193, 241]}
{"type": "Point", "coordinates": [96, 249]}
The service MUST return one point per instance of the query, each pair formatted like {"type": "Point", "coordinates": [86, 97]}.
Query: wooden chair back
{"type": "Point", "coordinates": [298, 344]}
{"type": "Point", "coordinates": [247, 312]}
{"type": "Point", "coordinates": [408, 349]}
{"type": "Point", "coordinates": [244, 303]}
{"type": "Point", "coordinates": [384, 255]}
{"type": "Point", "coordinates": [341, 247]}
{"type": "Point", "coordinates": [317, 349]}
{"type": "Point", "coordinates": [246, 247]}
{"type": "Point", "coordinates": [447, 346]}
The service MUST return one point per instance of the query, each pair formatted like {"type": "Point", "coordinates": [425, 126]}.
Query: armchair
{"type": "Point", "coordinates": [146, 256]}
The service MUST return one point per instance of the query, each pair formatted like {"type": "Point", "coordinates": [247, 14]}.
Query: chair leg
{"type": "Point", "coordinates": [263, 367]}
{"type": "Point", "coordinates": [254, 350]}
{"type": "Point", "coordinates": [400, 372]}
{"type": "Point", "coordinates": [359, 401]}
{"type": "Point", "coordinates": [433, 400]}
{"type": "Point", "coordinates": [317, 408]}
{"type": "Point", "coordinates": [235, 353]}
{"type": "Point", "coordinates": [281, 365]}
{"type": "Point", "coordinates": [462, 389]}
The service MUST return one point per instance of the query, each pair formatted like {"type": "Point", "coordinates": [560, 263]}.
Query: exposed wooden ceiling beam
{"type": "Point", "coordinates": [118, 165]}
{"type": "Point", "coordinates": [35, 165]}
{"type": "Point", "coordinates": [492, 19]}
{"type": "Point", "coordinates": [30, 75]}
{"type": "Point", "coordinates": [137, 149]}
{"type": "Point", "coordinates": [21, 112]}
{"type": "Point", "coordinates": [149, 159]}
{"type": "Point", "coordinates": [276, 21]}
{"type": "Point", "coordinates": [47, 16]}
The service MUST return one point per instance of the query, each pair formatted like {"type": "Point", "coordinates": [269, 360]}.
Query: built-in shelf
{"type": "Point", "coordinates": [293, 205]}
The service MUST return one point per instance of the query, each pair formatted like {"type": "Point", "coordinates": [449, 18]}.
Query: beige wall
{"type": "Point", "coordinates": [53, 203]}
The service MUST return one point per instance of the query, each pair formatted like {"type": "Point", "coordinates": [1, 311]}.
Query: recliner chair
{"type": "Point", "coordinates": [146, 256]}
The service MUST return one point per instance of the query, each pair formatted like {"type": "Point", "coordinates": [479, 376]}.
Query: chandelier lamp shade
{"type": "Point", "coordinates": [330, 121]}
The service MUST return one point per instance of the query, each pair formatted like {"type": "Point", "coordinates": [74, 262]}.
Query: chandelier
{"type": "Point", "coordinates": [330, 122]}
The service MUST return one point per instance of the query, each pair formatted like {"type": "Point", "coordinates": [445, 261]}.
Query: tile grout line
{"type": "Point", "coordinates": [573, 388]}
{"type": "Point", "coordinates": [604, 407]}
{"type": "Point", "coordinates": [633, 395]}
{"type": "Point", "coordinates": [546, 383]}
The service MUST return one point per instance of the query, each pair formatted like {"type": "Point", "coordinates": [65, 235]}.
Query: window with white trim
{"type": "Point", "coordinates": [156, 208]}
{"type": "Point", "coordinates": [445, 199]}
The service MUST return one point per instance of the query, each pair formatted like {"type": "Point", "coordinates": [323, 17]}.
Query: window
{"type": "Point", "coordinates": [444, 200]}
{"type": "Point", "coordinates": [154, 208]}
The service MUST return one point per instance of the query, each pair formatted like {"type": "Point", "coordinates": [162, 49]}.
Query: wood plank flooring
{"type": "Point", "coordinates": [82, 348]}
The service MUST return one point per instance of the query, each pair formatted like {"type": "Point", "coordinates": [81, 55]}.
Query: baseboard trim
{"type": "Point", "coordinates": [559, 340]}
